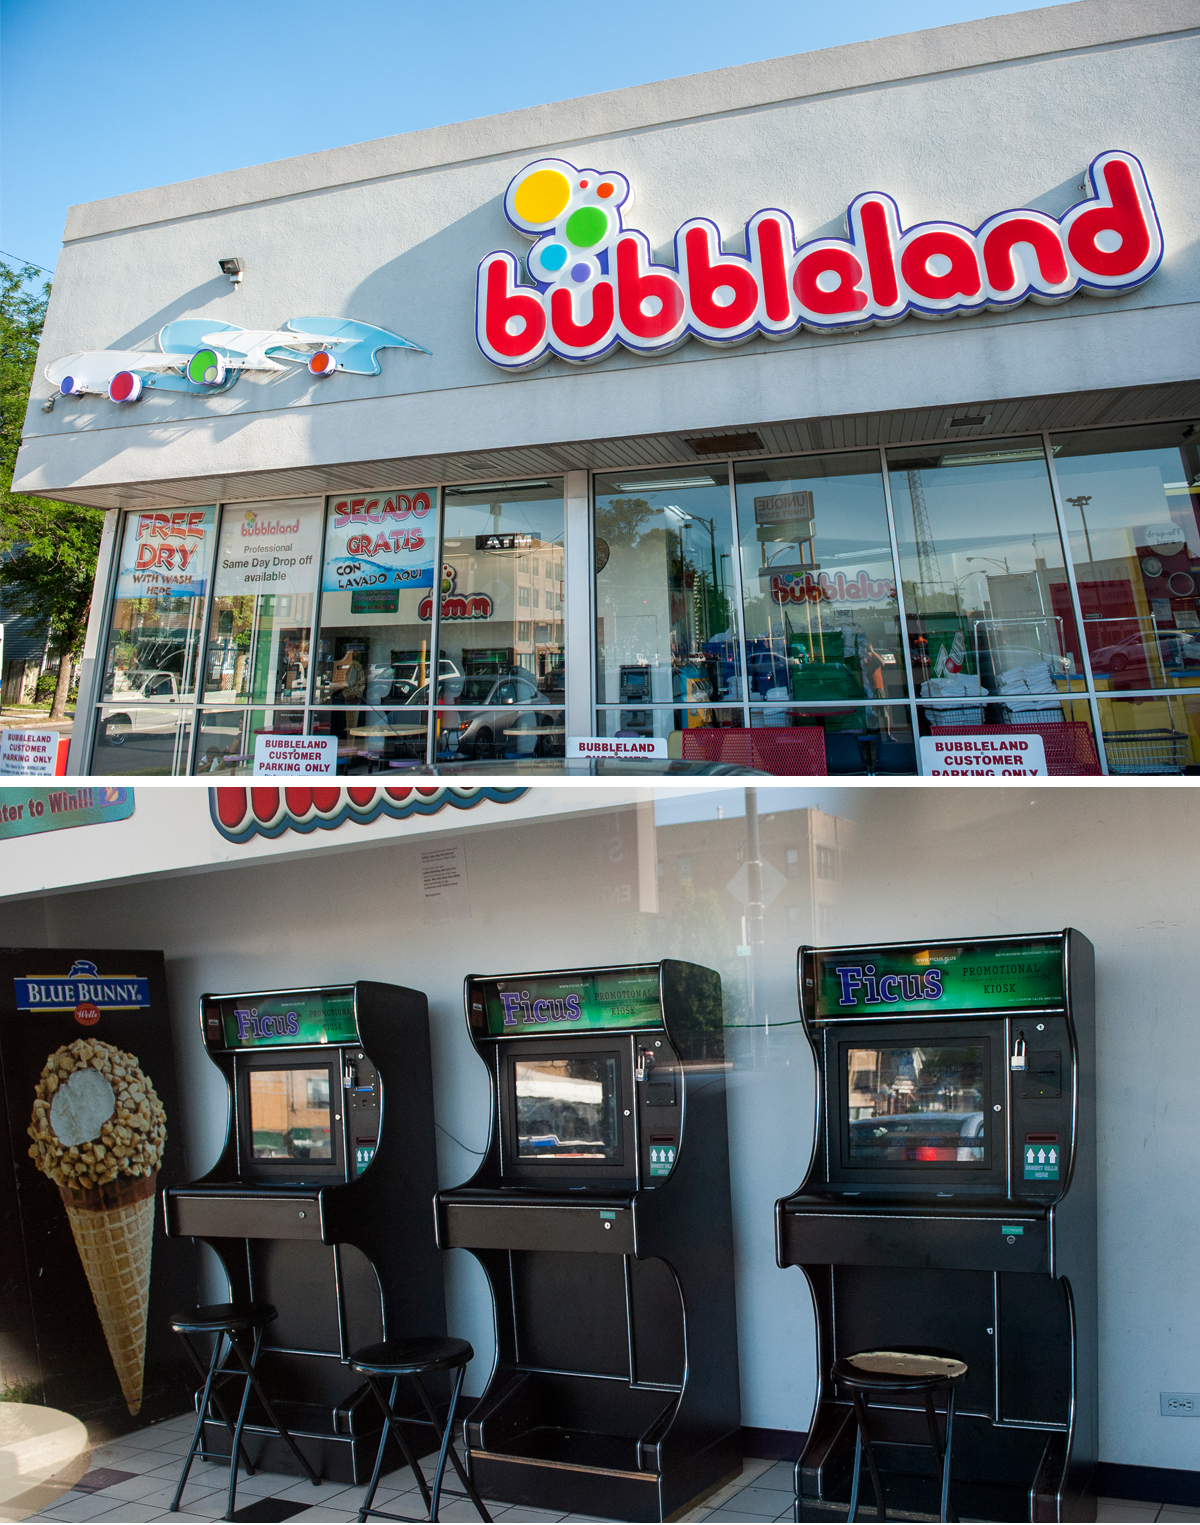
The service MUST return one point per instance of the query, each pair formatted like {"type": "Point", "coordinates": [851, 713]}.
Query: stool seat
{"type": "Point", "coordinates": [403, 1358]}
{"type": "Point", "coordinates": [900, 1371]}
{"type": "Point", "coordinates": [216, 1318]}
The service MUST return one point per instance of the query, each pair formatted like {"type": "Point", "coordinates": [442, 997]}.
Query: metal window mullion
{"type": "Point", "coordinates": [1076, 608]}
{"type": "Point", "coordinates": [435, 627]}
{"type": "Point", "coordinates": [210, 594]}
{"type": "Point", "coordinates": [901, 612]}
{"type": "Point", "coordinates": [314, 630]}
{"type": "Point", "coordinates": [737, 584]}
{"type": "Point", "coordinates": [91, 708]}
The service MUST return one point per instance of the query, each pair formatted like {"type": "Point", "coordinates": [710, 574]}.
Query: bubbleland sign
{"type": "Point", "coordinates": [596, 285]}
{"type": "Point", "coordinates": [302, 755]}
{"type": "Point", "coordinates": [269, 548]}
{"type": "Point", "coordinates": [999, 756]}
{"type": "Point", "coordinates": [26, 753]}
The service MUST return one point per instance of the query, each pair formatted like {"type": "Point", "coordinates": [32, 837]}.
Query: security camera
{"type": "Point", "coordinates": [233, 268]}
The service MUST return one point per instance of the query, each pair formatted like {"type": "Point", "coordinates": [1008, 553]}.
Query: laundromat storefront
{"type": "Point", "coordinates": [1042, 584]}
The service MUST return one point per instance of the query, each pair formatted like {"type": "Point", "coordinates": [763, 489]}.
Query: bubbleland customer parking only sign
{"type": "Point", "coordinates": [304, 756]}
{"type": "Point", "coordinates": [997, 756]}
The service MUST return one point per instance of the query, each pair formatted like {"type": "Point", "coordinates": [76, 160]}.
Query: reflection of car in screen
{"type": "Point", "coordinates": [956, 1136]}
{"type": "Point", "coordinates": [476, 728]}
{"type": "Point", "coordinates": [566, 1109]}
{"type": "Point", "coordinates": [131, 717]}
{"type": "Point", "coordinates": [290, 1114]}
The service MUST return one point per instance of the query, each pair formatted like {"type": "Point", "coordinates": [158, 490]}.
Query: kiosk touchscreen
{"type": "Point", "coordinates": [601, 1217]}
{"type": "Point", "coordinates": [319, 1202]}
{"type": "Point", "coordinates": [951, 1202]}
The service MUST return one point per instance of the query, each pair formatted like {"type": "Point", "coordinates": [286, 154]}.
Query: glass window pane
{"type": "Point", "coordinates": [1132, 503]}
{"type": "Point", "coordinates": [262, 605]}
{"type": "Point", "coordinates": [666, 722]}
{"type": "Point", "coordinates": [1160, 735]}
{"type": "Point", "coordinates": [511, 725]}
{"type": "Point", "coordinates": [141, 740]}
{"type": "Point", "coordinates": [873, 739]}
{"type": "Point", "coordinates": [227, 737]}
{"type": "Point", "coordinates": [665, 620]}
{"type": "Point", "coordinates": [162, 577]}
{"type": "Point", "coordinates": [376, 740]}
{"type": "Point", "coordinates": [822, 621]}
{"type": "Point", "coordinates": [985, 584]}
{"type": "Point", "coordinates": [376, 586]}
{"type": "Point", "coordinates": [498, 614]}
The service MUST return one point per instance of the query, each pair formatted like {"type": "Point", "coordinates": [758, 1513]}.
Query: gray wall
{"type": "Point", "coordinates": [1117, 863]}
{"type": "Point", "coordinates": [959, 123]}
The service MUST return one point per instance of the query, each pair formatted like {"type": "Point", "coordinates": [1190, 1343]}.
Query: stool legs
{"type": "Point", "coordinates": [446, 1452]}
{"type": "Point", "coordinates": [862, 1444]}
{"type": "Point", "coordinates": [253, 1382]}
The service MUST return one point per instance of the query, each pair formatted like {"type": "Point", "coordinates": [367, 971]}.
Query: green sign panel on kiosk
{"type": "Point", "coordinates": [608, 1000]}
{"type": "Point", "coordinates": [977, 976]}
{"type": "Point", "coordinates": [1041, 1162]}
{"type": "Point", "coordinates": [325, 1016]}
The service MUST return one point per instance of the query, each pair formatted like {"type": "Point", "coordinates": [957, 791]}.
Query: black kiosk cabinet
{"type": "Point", "coordinates": [601, 1216]}
{"type": "Point", "coordinates": [319, 1203]}
{"type": "Point", "coordinates": [951, 1202]}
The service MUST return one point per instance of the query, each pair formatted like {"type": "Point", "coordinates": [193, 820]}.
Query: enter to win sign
{"type": "Point", "coordinates": [1018, 756]}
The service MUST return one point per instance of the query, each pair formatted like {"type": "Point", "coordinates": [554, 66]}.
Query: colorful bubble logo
{"type": "Point", "coordinates": [574, 215]}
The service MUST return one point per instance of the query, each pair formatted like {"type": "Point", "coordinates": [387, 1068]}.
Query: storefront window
{"type": "Point", "coordinates": [818, 582]}
{"type": "Point", "coordinates": [155, 628]}
{"type": "Point", "coordinates": [1159, 735]}
{"type": "Point", "coordinates": [142, 740]}
{"type": "Point", "coordinates": [985, 586]}
{"type": "Point", "coordinates": [227, 738]}
{"type": "Point", "coordinates": [377, 740]}
{"type": "Point", "coordinates": [262, 607]}
{"type": "Point", "coordinates": [502, 674]}
{"type": "Point", "coordinates": [666, 627]}
{"type": "Point", "coordinates": [376, 581]}
{"type": "Point", "coordinates": [872, 739]}
{"type": "Point", "coordinates": [1131, 498]}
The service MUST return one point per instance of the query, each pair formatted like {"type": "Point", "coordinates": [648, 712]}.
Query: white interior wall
{"type": "Point", "coordinates": [1117, 863]}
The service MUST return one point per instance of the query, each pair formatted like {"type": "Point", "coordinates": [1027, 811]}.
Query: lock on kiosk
{"type": "Point", "coordinates": [601, 1217]}
{"type": "Point", "coordinates": [319, 1204]}
{"type": "Point", "coordinates": [951, 1202]}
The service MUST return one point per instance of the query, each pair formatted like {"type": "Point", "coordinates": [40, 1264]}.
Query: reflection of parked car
{"type": "Point", "coordinates": [1176, 649]}
{"type": "Point", "coordinates": [490, 703]}
{"type": "Point", "coordinates": [396, 682]}
{"type": "Point", "coordinates": [143, 719]}
{"type": "Point", "coordinates": [918, 1136]}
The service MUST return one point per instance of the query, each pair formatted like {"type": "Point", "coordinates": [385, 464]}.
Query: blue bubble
{"type": "Point", "coordinates": [580, 272]}
{"type": "Point", "coordinates": [553, 257]}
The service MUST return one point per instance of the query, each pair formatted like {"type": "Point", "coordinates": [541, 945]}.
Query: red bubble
{"type": "Point", "coordinates": [583, 185]}
{"type": "Point", "coordinates": [606, 189]}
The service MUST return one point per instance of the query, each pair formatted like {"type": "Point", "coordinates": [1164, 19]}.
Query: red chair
{"type": "Point", "coordinates": [789, 751]}
{"type": "Point", "coordinates": [1070, 745]}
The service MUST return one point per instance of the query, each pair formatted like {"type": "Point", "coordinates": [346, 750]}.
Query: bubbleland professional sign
{"type": "Point", "coordinates": [269, 548]}
{"type": "Point", "coordinates": [380, 542]}
{"type": "Point", "coordinates": [543, 1005]}
{"type": "Point", "coordinates": [166, 555]}
{"type": "Point", "coordinates": [1016, 756]}
{"type": "Point", "coordinates": [596, 285]}
{"type": "Point", "coordinates": [973, 977]}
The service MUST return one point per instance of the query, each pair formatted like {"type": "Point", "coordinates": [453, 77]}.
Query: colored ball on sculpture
{"type": "Point", "coordinates": [543, 196]}
{"type": "Point", "coordinates": [586, 227]}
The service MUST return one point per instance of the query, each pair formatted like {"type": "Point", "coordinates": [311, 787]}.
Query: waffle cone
{"type": "Point", "coordinates": [113, 1227]}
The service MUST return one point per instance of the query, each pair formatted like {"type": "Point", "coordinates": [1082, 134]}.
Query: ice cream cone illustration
{"type": "Point", "coordinates": [98, 1131]}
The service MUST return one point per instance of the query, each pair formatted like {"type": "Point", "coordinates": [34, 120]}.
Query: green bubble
{"type": "Point", "coordinates": [586, 227]}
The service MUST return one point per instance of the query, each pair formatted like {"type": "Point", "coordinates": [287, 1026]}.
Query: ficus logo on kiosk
{"type": "Point", "coordinates": [596, 285]}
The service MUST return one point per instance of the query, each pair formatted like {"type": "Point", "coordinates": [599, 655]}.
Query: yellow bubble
{"type": "Point", "coordinates": [543, 196]}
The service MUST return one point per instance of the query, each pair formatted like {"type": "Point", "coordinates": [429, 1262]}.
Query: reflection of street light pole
{"type": "Point", "coordinates": [1002, 562]}
{"type": "Point", "coordinates": [685, 518]}
{"type": "Point", "coordinates": [1081, 502]}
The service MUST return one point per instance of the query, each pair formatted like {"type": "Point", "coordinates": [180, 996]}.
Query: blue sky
{"type": "Point", "coordinates": [97, 100]}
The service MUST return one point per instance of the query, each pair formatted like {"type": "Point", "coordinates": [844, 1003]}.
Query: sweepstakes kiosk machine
{"type": "Point", "coordinates": [601, 1217]}
{"type": "Point", "coordinates": [950, 1208]}
{"type": "Point", "coordinates": [319, 1204]}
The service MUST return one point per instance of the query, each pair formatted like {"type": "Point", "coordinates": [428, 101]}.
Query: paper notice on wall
{"type": "Point", "coordinates": [444, 894]}
{"type": "Point", "coordinates": [28, 753]}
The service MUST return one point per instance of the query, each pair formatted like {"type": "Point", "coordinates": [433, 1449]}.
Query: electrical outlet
{"type": "Point", "coordinates": [1180, 1405]}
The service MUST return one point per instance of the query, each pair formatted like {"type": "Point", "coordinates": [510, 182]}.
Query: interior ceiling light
{"type": "Point", "coordinates": [666, 485]}
{"type": "Point", "coordinates": [492, 487]}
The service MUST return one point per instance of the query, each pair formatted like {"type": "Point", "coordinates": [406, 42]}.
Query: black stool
{"type": "Point", "coordinates": [240, 1324]}
{"type": "Point", "coordinates": [923, 1370]}
{"type": "Point", "coordinates": [415, 1358]}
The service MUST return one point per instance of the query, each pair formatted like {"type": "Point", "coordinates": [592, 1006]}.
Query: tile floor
{"type": "Point", "coordinates": [134, 1478]}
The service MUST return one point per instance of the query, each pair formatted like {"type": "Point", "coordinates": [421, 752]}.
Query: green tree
{"type": "Point", "coordinates": [47, 550]}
